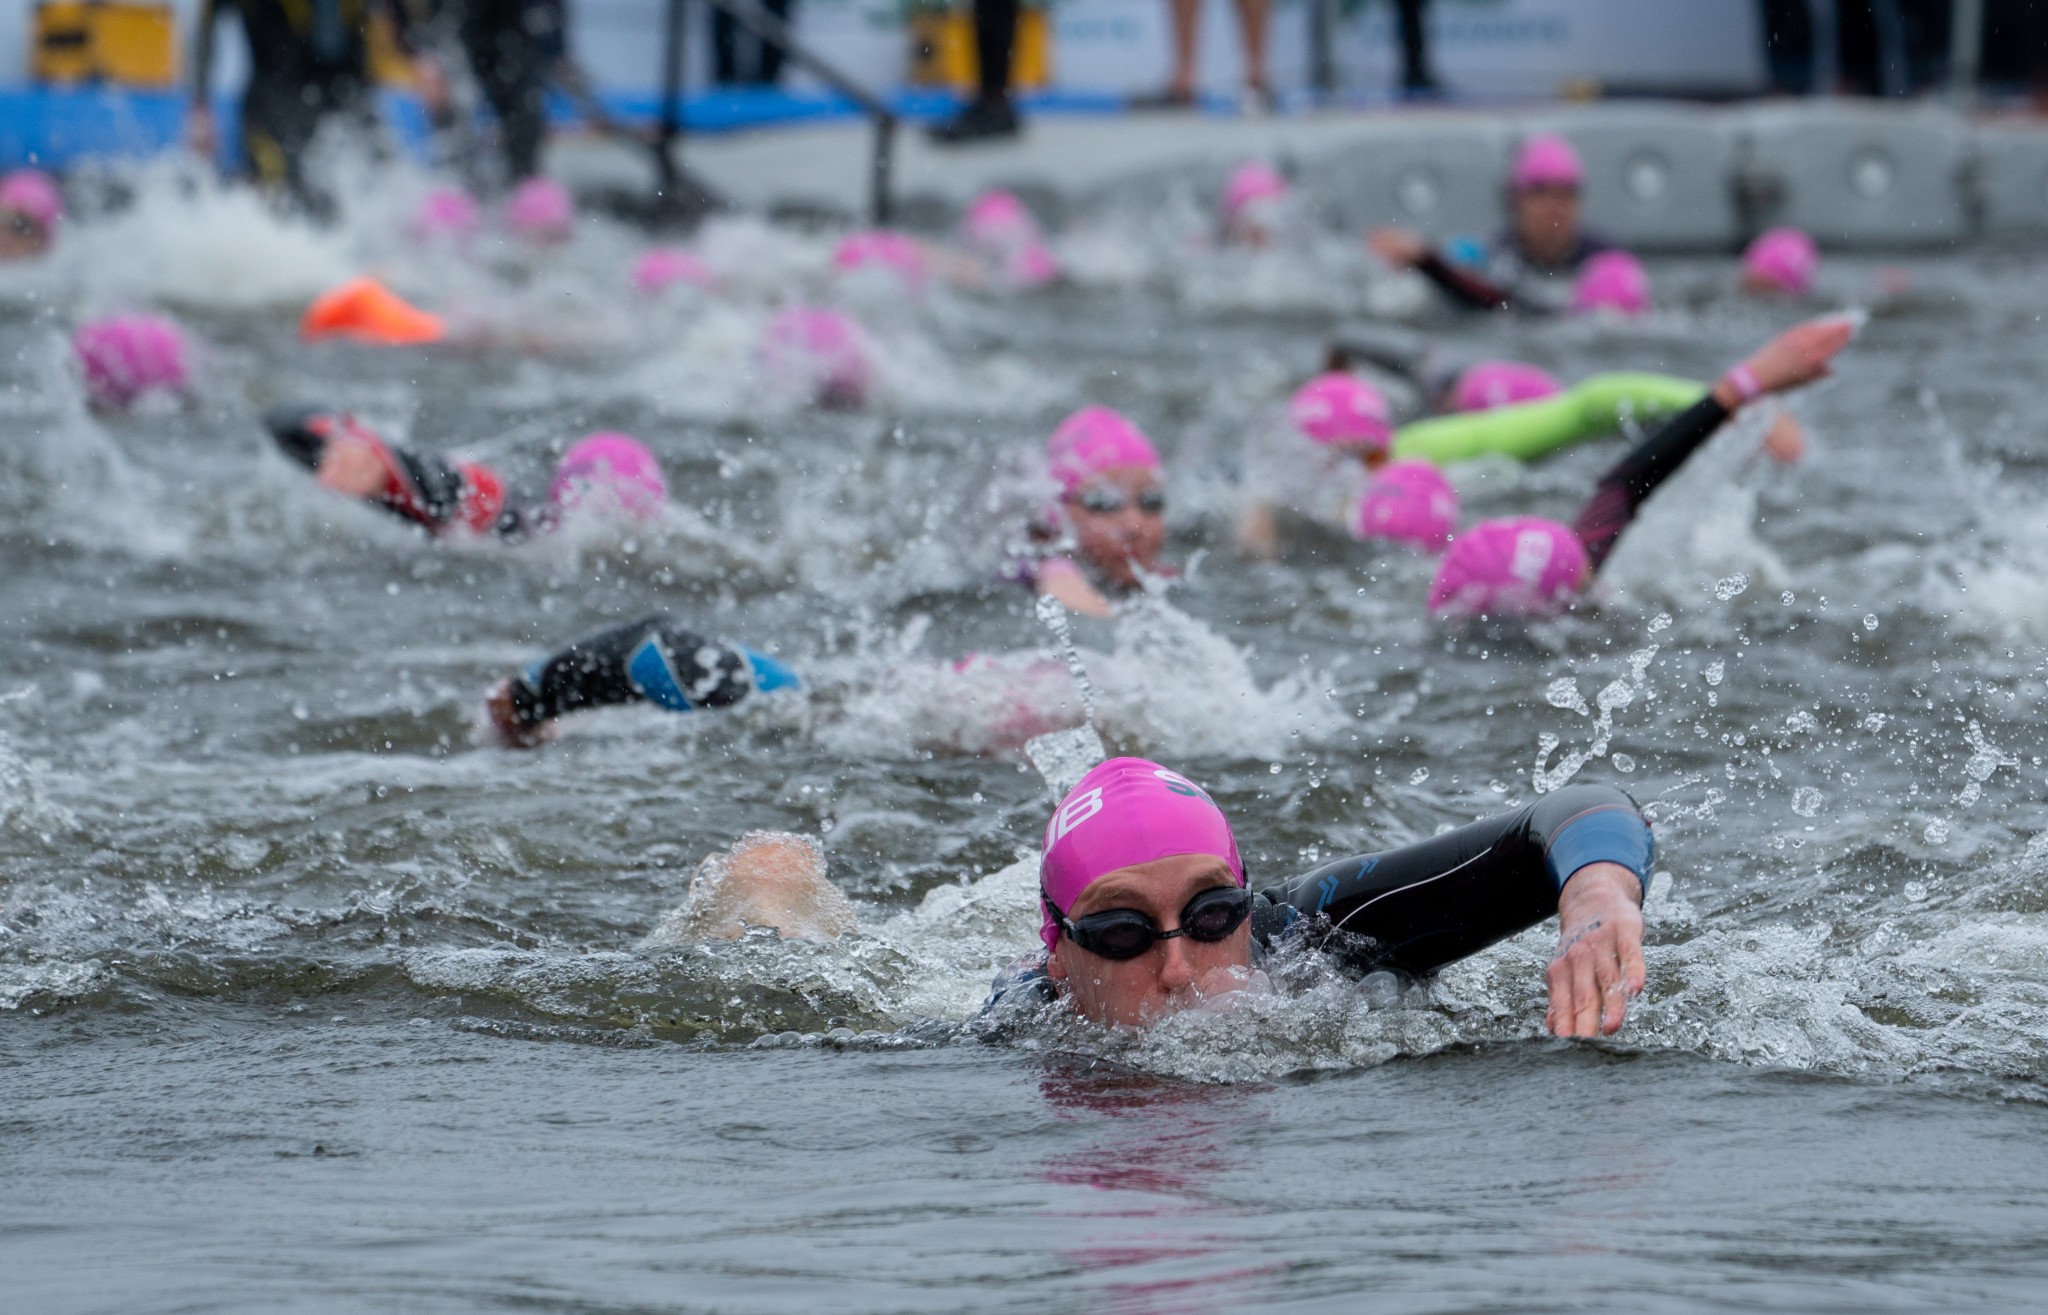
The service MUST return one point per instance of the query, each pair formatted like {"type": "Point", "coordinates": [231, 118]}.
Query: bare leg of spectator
{"type": "Point", "coordinates": [1252, 16]}
{"type": "Point", "coordinates": [1186, 16]}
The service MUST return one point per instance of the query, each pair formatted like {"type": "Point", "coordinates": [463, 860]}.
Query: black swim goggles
{"type": "Point", "coordinates": [1108, 500]}
{"type": "Point", "coordinates": [1126, 933]}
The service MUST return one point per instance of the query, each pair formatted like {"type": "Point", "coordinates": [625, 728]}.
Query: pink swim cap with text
{"type": "Point", "coordinates": [1341, 408]}
{"type": "Point", "coordinates": [1491, 384]}
{"type": "Point", "coordinates": [1408, 502]}
{"type": "Point", "coordinates": [1093, 440]}
{"type": "Point", "coordinates": [1524, 566]}
{"type": "Point", "coordinates": [1547, 160]}
{"type": "Point", "coordinates": [1785, 258]}
{"type": "Point", "coordinates": [617, 467]}
{"type": "Point", "coordinates": [125, 356]}
{"type": "Point", "coordinates": [1612, 280]}
{"type": "Point", "coordinates": [1125, 812]}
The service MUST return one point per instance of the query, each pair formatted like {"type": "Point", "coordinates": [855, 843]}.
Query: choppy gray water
{"type": "Point", "coordinates": [307, 1002]}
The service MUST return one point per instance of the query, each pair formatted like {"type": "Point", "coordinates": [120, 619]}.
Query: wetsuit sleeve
{"type": "Point", "coordinates": [1413, 910]}
{"type": "Point", "coordinates": [422, 487]}
{"type": "Point", "coordinates": [1622, 491]}
{"type": "Point", "coordinates": [651, 660]}
{"type": "Point", "coordinates": [1463, 286]}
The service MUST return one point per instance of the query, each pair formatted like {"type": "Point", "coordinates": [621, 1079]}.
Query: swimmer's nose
{"type": "Point", "coordinates": [1176, 968]}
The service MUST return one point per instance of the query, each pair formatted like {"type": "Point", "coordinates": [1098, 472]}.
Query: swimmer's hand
{"type": "Point", "coordinates": [1799, 355]}
{"type": "Point", "coordinates": [506, 725]}
{"type": "Point", "coordinates": [1599, 963]}
{"type": "Point", "coordinates": [1397, 247]}
{"type": "Point", "coordinates": [1785, 440]}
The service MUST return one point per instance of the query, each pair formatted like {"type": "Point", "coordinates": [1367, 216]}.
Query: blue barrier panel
{"type": "Point", "coordinates": [55, 127]}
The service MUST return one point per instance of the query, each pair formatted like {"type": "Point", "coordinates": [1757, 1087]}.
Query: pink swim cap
{"type": "Point", "coordinates": [1547, 160]}
{"type": "Point", "coordinates": [1612, 280]}
{"type": "Point", "coordinates": [1031, 266]}
{"type": "Point", "coordinates": [618, 464]}
{"type": "Point", "coordinates": [1093, 440]}
{"type": "Point", "coordinates": [541, 210]}
{"type": "Point", "coordinates": [447, 212]}
{"type": "Point", "coordinates": [1409, 502]}
{"type": "Point", "coordinates": [1341, 408]}
{"type": "Point", "coordinates": [664, 267]}
{"type": "Point", "coordinates": [997, 221]}
{"type": "Point", "coordinates": [879, 248]}
{"type": "Point", "coordinates": [1785, 258]}
{"type": "Point", "coordinates": [821, 353]}
{"type": "Point", "coordinates": [33, 194]}
{"type": "Point", "coordinates": [1125, 812]}
{"type": "Point", "coordinates": [1525, 566]}
{"type": "Point", "coordinates": [1489, 384]}
{"type": "Point", "coordinates": [125, 356]}
{"type": "Point", "coordinates": [1249, 183]}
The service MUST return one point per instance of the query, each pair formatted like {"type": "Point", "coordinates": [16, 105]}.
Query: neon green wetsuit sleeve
{"type": "Point", "coordinates": [1590, 408]}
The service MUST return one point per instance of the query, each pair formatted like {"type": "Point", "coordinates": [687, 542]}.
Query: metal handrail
{"type": "Point", "coordinates": [750, 15]}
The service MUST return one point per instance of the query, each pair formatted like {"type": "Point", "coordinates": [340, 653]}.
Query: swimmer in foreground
{"type": "Point", "coordinates": [443, 496]}
{"type": "Point", "coordinates": [1529, 566]}
{"type": "Point", "coordinates": [1532, 263]}
{"type": "Point", "coordinates": [1110, 524]}
{"type": "Point", "coordinates": [1148, 911]}
{"type": "Point", "coordinates": [652, 660]}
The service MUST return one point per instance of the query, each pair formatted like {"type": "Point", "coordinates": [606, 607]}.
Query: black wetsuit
{"type": "Point", "coordinates": [1512, 278]}
{"type": "Point", "coordinates": [308, 60]}
{"type": "Point", "coordinates": [1628, 483]}
{"type": "Point", "coordinates": [424, 488]}
{"type": "Point", "coordinates": [1415, 909]}
{"type": "Point", "coordinates": [652, 660]}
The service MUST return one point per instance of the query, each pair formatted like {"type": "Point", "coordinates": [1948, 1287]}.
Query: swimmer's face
{"type": "Point", "coordinates": [1173, 974]}
{"type": "Point", "coordinates": [21, 238]}
{"type": "Point", "coordinates": [1547, 220]}
{"type": "Point", "coordinates": [1119, 520]}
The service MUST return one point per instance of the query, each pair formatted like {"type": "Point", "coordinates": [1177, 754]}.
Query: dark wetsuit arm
{"type": "Point", "coordinates": [649, 660]}
{"type": "Point", "coordinates": [1622, 491]}
{"type": "Point", "coordinates": [1415, 909]}
{"type": "Point", "coordinates": [1463, 286]}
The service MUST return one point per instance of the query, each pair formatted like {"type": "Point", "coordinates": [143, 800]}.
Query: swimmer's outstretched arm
{"type": "Point", "coordinates": [1468, 289]}
{"type": "Point", "coordinates": [1582, 853]}
{"type": "Point", "coordinates": [422, 487]}
{"type": "Point", "coordinates": [1797, 356]}
{"type": "Point", "coordinates": [1061, 579]}
{"type": "Point", "coordinates": [652, 660]}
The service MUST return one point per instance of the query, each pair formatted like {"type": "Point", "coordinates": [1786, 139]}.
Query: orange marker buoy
{"type": "Point", "coordinates": [367, 311]}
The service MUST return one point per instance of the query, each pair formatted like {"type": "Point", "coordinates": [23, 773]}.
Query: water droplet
{"type": "Point", "coordinates": [1936, 832]}
{"type": "Point", "coordinates": [1786, 598]}
{"type": "Point", "coordinates": [1273, 770]}
{"type": "Point", "coordinates": [1623, 763]}
{"type": "Point", "coordinates": [1661, 623]}
{"type": "Point", "coordinates": [1564, 693]}
{"type": "Point", "coordinates": [1869, 622]}
{"type": "Point", "coordinates": [1730, 587]}
{"type": "Point", "coordinates": [1875, 721]}
{"type": "Point", "coordinates": [1418, 776]}
{"type": "Point", "coordinates": [1716, 672]}
{"type": "Point", "coordinates": [1806, 801]}
{"type": "Point", "coordinates": [1916, 891]}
